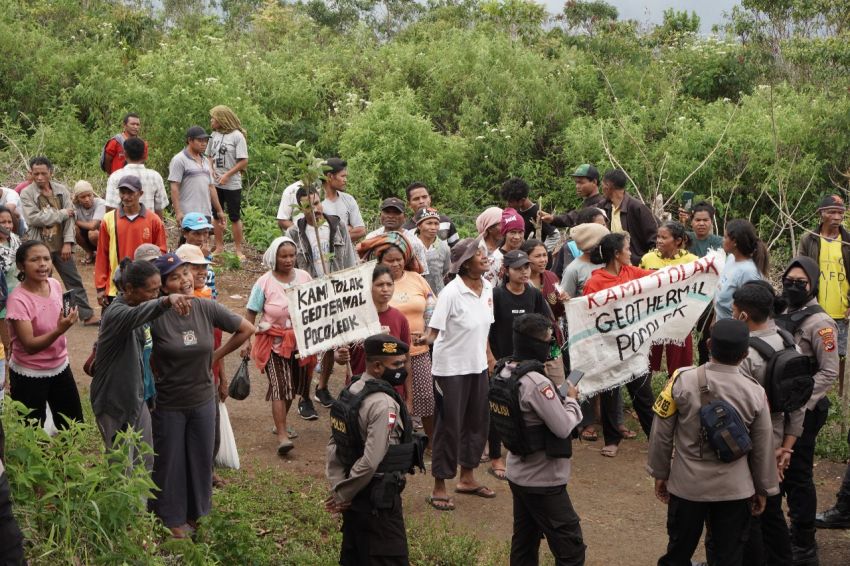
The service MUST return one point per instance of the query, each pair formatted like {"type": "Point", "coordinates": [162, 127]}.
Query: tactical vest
{"type": "Point", "coordinates": [791, 322]}
{"type": "Point", "coordinates": [506, 415]}
{"type": "Point", "coordinates": [345, 429]}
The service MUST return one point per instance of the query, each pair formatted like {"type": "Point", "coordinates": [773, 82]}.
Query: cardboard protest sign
{"type": "Point", "coordinates": [611, 331]}
{"type": "Point", "coordinates": [333, 310]}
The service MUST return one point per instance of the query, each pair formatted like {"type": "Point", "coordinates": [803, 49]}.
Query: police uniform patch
{"type": "Point", "coordinates": [548, 392]}
{"type": "Point", "coordinates": [665, 406]}
{"type": "Point", "coordinates": [827, 336]}
{"type": "Point", "coordinates": [391, 419]}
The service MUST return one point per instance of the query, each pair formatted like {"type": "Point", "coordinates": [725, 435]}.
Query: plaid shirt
{"type": "Point", "coordinates": [154, 196]}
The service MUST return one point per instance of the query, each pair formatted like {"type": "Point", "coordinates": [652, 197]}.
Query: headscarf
{"type": "Point", "coordinates": [490, 217]}
{"type": "Point", "coordinates": [270, 256]}
{"type": "Point", "coordinates": [227, 120]}
{"type": "Point", "coordinates": [374, 247]}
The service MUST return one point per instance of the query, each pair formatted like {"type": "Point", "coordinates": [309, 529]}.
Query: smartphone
{"type": "Point", "coordinates": [68, 302]}
{"type": "Point", "coordinates": [575, 376]}
{"type": "Point", "coordinates": [687, 200]}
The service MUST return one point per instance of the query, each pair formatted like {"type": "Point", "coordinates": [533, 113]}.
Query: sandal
{"type": "Point", "coordinates": [440, 503]}
{"type": "Point", "coordinates": [480, 491]}
{"type": "Point", "coordinates": [609, 451]}
{"type": "Point", "coordinates": [627, 433]}
{"type": "Point", "coordinates": [589, 434]}
{"type": "Point", "coordinates": [498, 473]}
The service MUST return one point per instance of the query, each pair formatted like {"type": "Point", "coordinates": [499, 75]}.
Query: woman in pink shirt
{"type": "Point", "coordinates": [39, 371]}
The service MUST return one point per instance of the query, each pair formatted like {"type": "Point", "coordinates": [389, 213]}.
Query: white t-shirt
{"type": "Point", "coordinates": [463, 319]}
{"type": "Point", "coordinates": [325, 235]}
{"type": "Point", "coordinates": [96, 212]}
{"type": "Point", "coordinates": [346, 208]}
{"type": "Point", "coordinates": [288, 201]}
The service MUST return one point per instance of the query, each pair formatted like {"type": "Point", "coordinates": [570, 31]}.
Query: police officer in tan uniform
{"type": "Point", "coordinates": [754, 303]}
{"type": "Point", "coordinates": [372, 446]}
{"type": "Point", "coordinates": [538, 464]}
{"type": "Point", "coordinates": [817, 337]}
{"type": "Point", "coordinates": [696, 485]}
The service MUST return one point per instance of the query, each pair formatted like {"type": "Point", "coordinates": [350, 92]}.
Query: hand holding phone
{"type": "Point", "coordinates": [68, 302]}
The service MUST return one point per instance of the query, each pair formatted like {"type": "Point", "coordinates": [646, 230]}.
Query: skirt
{"type": "Point", "coordinates": [423, 385]}
{"type": "Point", "coordinates": [287, 379]}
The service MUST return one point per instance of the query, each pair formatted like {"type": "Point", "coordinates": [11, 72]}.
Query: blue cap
{"type": "Point", "coordinates": [196, 221]}
{"type": "Point", "coordinates": [167, 263]}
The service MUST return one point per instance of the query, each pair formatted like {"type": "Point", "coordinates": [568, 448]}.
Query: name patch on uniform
{"type": "Point", "coordinates": [827, 335]}
{"type": "Point", "coordinates": [548, 392]}
{"type": "Point", "coordinates": [665, 406]}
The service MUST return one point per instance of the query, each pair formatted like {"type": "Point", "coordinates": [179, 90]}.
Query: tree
{"type": "Point", "coordinates": [676, 25]}
{"type": "Point", "coordinates": [587, 17]}
{"type": "Point", "coordinates": [520, 18]}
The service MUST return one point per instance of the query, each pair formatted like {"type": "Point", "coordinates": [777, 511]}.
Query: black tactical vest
{"type": "Point", "coordinates": [345, 429]}
{"type": "Point", "coordinates": [506, 415]}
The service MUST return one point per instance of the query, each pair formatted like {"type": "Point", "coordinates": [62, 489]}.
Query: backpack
{"type": "Point", "coordinates": [790, 322]}
{"type": "Point", "coordinates": [788, 374]}
{"type": "Point", "coordinates": [722, 426]}
{"type": "Point", "coordinates": [117, 137]}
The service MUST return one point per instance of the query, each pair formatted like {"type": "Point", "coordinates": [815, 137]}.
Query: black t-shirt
{"type": "Point", "coordinates": [530, 216]}
{"type": "Point", "coordinates": [506, 307]}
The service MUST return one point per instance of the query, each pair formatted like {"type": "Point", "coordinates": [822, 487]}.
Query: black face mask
{"type": "Point", "coordinates": [795, 292]}
{"type": "Point", "coordinates": [394, 376]}
{"type": "Point", "coordinates": [528, 348]}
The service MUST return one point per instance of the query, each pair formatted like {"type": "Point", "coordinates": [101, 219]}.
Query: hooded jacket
{"type": "Point", "coordinates": [341, 247]}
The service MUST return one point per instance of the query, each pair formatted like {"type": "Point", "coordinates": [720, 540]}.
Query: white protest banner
{"type": "Point", "coordinates": [611, 331]}
{"type": "Point", "coordinates": [334, 310]}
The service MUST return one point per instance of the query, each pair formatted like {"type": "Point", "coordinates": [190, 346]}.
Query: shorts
{"type": "Point", "coordinates": [842, 337]}
{"type": "Point", "coordinates": [287, 379]}
{"type": "Point", "coordinates": [231, 202]}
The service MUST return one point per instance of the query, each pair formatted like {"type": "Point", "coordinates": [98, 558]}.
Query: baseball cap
{"type": "Point", "coordinates": [130, 182]}
{"type": "Point", "coordinates": [462, 251]}
{"type": "Point", "coordinates": [393, 202]}
{"type": "Point", "coordinates": [424, 214]}
{"type": "Point", "coordinates": [515, 258]}
{"type": "Point", "coordinates": [147, 252]}
{"type": "Point", "coordinates": [167, 263]}
{"type": "Point", "coordinates": [191, 254]}
{"type": "Point", "coordinates": [82, 187]}
{"type": "Point", "coordinates": [195, 221]}
{"type": "Point", "coordinates": [586, 170]}
{"type": "Point", "coordinates": [197, 133]}
{"type": "Point", "coordinates": [829, 201]}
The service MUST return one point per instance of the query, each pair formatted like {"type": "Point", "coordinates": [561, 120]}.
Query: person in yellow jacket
{"type": "Point", "coordinates": [671, 248]}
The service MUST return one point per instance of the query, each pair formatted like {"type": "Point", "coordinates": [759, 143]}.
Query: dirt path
{"type": "Point", "coordinates": [623, 523]}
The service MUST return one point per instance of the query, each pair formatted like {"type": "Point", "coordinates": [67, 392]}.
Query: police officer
{"type": "Point", "coordinates": [696, 485]}
{"type": "Point", "coordinates": [535, 424]}
{"type": "Point", "coordinates": [372, 446]}
{"type": "Point", "coordinates": [816, 336]}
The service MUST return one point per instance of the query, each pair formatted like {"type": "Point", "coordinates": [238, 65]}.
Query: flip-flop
{"type": "Point", "coordinates": [609, 451]}
{"type": "Point", "coordinates": [495, 473]}
{"type": "Point", "coordinates": [480, 491]}
{"type": "Point", "coordinates": [589, 435]}
{"type": "Point", "coordinates": [627, 433]}
{"type": "Point", "coordinates": [435, 501]}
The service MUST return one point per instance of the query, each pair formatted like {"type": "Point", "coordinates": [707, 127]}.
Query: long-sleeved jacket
{"type": "Point", "coordinates": [784, 424]}
{"type": "Point", "coordinates": [344, 255]}
{"type": "Point", "coordinates": [817, 337]}
{"type": "Point", "coordinates": [810, 247]}
{"type": "Point", "coordinates": [117, 388]}
{"type": "Point", "coordinates": [570, 218]}
{"type": "Point", "coordinates": [380, 426]}
{"type": "Point", "coordinates": [38, 218]}
{"type": "Point", "coordinates": [696, 474]}
{"type": "Point", "coordinates": [639, 222]}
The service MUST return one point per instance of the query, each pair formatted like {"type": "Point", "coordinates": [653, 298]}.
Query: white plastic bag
{"type": "Point", "coordinates": [49, 425]}
{"type": "Point", "coordinates": [228, 456]}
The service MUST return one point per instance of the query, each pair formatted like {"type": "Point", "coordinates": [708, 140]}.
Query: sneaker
{"type": "Point", "coordinates": [833, 518]}
{"type": "Point", "coordinates": [324, 397]}
{"type": "Point", "coordinates": [306, 410]}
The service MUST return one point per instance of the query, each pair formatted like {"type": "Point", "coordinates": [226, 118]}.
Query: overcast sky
{"type": "Point", "coordinates": [650, 11]}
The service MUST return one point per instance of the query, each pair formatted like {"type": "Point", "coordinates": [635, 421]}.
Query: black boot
{"type": "Point", "coordinates": [833, 518]}
{"type": "Point", "coordinates": [804, 549]}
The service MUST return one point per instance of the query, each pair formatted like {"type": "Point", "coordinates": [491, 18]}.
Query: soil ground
{"type": "Point", "coordinates": [622, 522]}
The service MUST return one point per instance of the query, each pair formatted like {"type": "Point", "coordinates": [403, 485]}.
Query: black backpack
{"type": "Point", "coordinates": [788, 374]}
{"type": "Point", "coordinates": [722, 426]}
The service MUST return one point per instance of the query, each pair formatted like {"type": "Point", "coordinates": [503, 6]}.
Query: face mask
{"type": "Point", "coordinates": [795, 292]}
{"type": "Point", "coordinates": [394, 376]}
{"type": "Point", "coordinates": [528, 348]}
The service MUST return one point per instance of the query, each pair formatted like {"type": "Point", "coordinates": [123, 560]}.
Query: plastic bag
{"type": "Point", "coordinates": [240, 385]}
{"type": "Point", "coordinates": [49, 425]}
{"type": "Point", "coordinates": [228, 456]}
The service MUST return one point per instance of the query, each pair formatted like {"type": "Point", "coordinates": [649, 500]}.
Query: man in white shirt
{"type": "Point", "coordinates": [154, 196]}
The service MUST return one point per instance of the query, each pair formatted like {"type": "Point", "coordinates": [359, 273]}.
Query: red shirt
{"type": "Point", "coordinates": [601, 279]}
{"type": "Point", "coordinates": [146, 228]}
{"type": "Point", "coordinates": [116, 151]}
{"type": "Point", "coordinates": [398, 327]}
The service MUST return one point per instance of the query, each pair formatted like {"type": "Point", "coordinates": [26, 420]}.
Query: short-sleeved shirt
{"type": "Point", "coordinates": [463, 319]}
{"type": "Point", "coordinates": [576, 275]}
{"type": "Point", "coordinates": [226, 150]}
{"type": "Point", "coordinates": [182, 353]}
{"type": "Point", "coordinates": [393, 323]}
{"type": "Point", "coordinates": [195, 181]}
{"type": "Point", "coordinates": [411, 296]}
{"type": "Point", "coordinates": [268, 297]}
{"type": "Point", "coordinates": [506, 307]}
{"type": "Point", "coordinates": [288, 202]}
{"type": "Point", "coordinates": [154, 195]}
{"type": "Point", "coordinates": [834, 287]}
{"type": "Point", "coordinates": [116, 150]}
{"type": "Point", "coordinates": [700, 247]}
{"type": "Point", "coordinates": [42, 312]}
{"type": "Point", "coordinates": [96, 212]}
{"type": "Point", "coordinates": [735, 274]}
{"type": "Point", "coordinates": [346, 208]}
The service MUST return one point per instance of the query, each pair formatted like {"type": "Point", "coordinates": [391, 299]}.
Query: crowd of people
{"type": "Point", "coordinates": [463, 320]}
